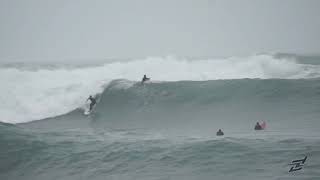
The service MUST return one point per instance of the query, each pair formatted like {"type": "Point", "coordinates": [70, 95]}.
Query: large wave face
{"type": "Point", "coordinates": [33, 93]}
{"type": "Point", "coordinates": [198, 107]}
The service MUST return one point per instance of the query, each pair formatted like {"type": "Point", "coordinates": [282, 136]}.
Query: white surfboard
{"type": "Point", "coordinates": [86, 109]}
{"type": "Point", "coordinates": [86, 112]}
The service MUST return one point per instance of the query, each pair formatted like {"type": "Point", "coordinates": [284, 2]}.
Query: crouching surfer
{"type": "Point", "coordinates": [92, 102]}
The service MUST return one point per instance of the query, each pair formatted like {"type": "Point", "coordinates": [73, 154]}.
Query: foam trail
{"type": "Point", "coordinates": [27, 95]}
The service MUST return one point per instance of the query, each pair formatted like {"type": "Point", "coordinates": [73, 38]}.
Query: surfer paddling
{"type": "Point", "coordinates": [220, 133]}
{"type": "Point", "coordinates": [258, 126]}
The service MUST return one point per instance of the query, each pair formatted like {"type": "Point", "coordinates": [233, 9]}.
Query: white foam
{"type": "Point", "coordinates": [27, 95]}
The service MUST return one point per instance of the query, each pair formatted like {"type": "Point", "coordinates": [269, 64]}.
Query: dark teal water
{"type": "Point", "coordinates": [167, 131]}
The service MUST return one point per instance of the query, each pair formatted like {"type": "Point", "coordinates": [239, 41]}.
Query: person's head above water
{"type": "Point", "coordinates": [220, 133]}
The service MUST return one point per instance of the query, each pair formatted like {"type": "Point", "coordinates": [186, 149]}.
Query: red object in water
{"type": "Point", "coordinates": [263, 125]}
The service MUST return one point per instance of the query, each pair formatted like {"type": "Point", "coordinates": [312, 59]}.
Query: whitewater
{"type": "Point", "coordinates": [164, 129]}
{"type": "Point", "coordinates": [37, 92]}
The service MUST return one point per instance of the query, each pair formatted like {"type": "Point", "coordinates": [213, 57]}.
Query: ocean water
{"type": "Point", "coordinates": [164, 129]}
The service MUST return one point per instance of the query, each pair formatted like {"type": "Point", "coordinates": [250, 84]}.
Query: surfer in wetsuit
{"type": "Point", "coordinates": [220, 133]}
{"type": "Point", "coordinates": [145, 78]}
{"type": "Point", "coordinates": [258, 126]}
{"type": "Point", "coordinates": [92, 102]}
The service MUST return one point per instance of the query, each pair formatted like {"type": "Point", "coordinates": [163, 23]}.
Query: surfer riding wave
{"type": "Point", "coordinates": [92, 102]}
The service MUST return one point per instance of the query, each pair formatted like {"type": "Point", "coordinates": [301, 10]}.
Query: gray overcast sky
{"type": "Point", "coordinates": [85, 29]}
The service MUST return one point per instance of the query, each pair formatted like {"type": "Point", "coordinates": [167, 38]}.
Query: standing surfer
{"type": "Point", "coordinates": [92, 102]}
{"type": "Point", "coordinates": [145, 78]}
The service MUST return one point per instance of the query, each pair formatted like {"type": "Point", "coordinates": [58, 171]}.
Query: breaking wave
{"type": "Point", "coordinates": [35, 93]}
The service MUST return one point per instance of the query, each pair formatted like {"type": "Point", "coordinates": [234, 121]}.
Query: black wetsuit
{"type": "Point", "coordinates": [144, 79]}
{"type": "Point", "coordinates": [220, 133]}
{"type": "Point", "coordinates": [257, 127]}
{"type": "Point", "coordinates": [93, 102]}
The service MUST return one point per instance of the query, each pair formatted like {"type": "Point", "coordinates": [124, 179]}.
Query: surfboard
{"type": "Point", "coordinates": [87, 109]}
{"type": "Point", "coordinates": [146, 81]}
{"type": "Point", "coordinates": [86, 112]}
